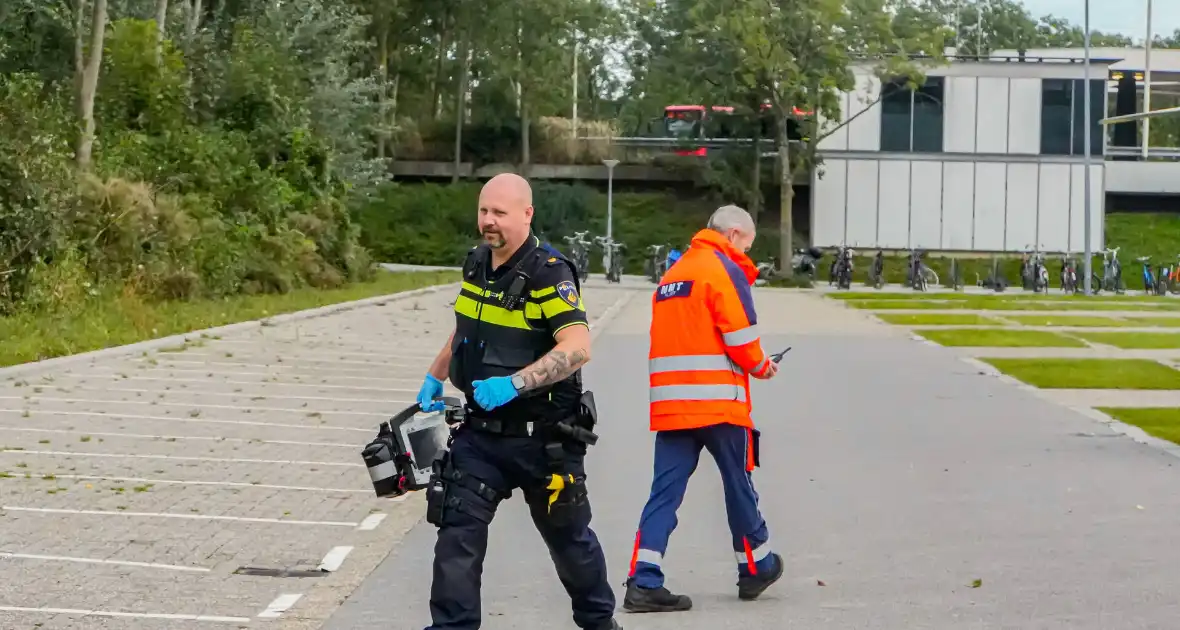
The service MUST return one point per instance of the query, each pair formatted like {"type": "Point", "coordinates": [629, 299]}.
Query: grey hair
{"type": "Point", "coordinates": [731, 217]}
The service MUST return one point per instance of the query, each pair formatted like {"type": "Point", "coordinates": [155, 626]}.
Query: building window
{"type": "Point", "coordinates": [911, 120]}
{"type": "Point", "coordinates": [1063, 112]}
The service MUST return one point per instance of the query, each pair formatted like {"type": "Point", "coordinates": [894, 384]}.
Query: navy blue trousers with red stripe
{"type": "Point", "coordinates": [676, 457]}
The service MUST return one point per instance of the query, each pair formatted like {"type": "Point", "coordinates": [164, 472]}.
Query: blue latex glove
{"type": "Point", "coordinates": [432, 388]}
{"type": "Point", "coordinates": [494, 392]}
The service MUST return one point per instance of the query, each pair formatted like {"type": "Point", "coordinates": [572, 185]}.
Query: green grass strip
{"type": "Point", "coordinates": [1089, 373]}
{"type": "Point", "coordinates": [991, 304]}
{"type": "Point", "coordinates": [937, 319]}
{"type": "Point", "coordinates": [1134, 340]}
{"type": "Point", "coordinates": [1162, 422]}
{"type": "Point", "coordinates": [112, 319]}
{"type": "Point", "coordinates": [1153, 322]}
{"type": "Point", "coordinates": [999, 338]}
{"type": "Point", "coordinates": [1069, 320]}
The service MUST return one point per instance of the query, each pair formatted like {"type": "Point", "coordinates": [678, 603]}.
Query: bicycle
{"type": "Point", "coordinates": [805, 262]}
{"type": "Point", "coordinates": [767, 271]}
{"type": "Point", "coordinates": [1152, 283]}
{"type": "Point", "coordinates": [1069, 274]}
{"type": "Point", "coordinates": [1038, 274]}
{"type": "Point", "coordinates": [954, 280]}
{"type": "Point", "coordinates": [580, 253]}
{"type": "Point", "coordinates": [877, 271]}
{"type": "Point", "coordinates": [1112, 272]}
{"type": "Point", "coordinates": [614, 273]}
{"type": "Point", "coordinates": [918, 274]}
{"type": "Point", "coordinates": [842, 270]}
{"type": "Point", "coordinates": [656, 263]}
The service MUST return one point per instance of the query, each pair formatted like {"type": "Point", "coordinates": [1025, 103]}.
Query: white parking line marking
{"type": "Point", "coordinates": [235, 484]}
{"type": "Point", "coordinates": [180, 457]}
{"type": "Point", "coordinates": [115, 613]}
{"type": "Point", "coordinates": [131, 416]}
{"type": "Point", "coordinates": [136, 390]}
{"type": "Point", "coordinates": [162, 403]}
{"type": "Point", "coordinates": [334, 559]}
{"type": "Point", "coordinates": [330, 349]}
{"type": "Point", "coordinates": [123, 563]}
{"type": "Point", "coordinates": [165, 363]}
{"type": "Point", "coordinates": [177, 437]}
{"type": "Point", "coordinates": [371, 522]}
{"type": "Point", "coordinates": [101, 371]}
{"type": "Point", "coordinates": [202, 517]}
{"type": "Point", "coordinates": [279, 605]}
{"type": "Point", "coordinates": [198, 381]}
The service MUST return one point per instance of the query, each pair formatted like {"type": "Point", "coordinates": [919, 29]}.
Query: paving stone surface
{"type": "Point", "coordinates": [133, 487]}
{"type": "Point", "coordinates": [893, 473]}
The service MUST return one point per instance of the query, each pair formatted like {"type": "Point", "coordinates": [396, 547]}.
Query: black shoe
{"type": "Point", "coordinates": [644, 600]}
{"type": "Point", "coordinates": [751, 586]}
{"type": "Point", "coordinates": [610, 625]}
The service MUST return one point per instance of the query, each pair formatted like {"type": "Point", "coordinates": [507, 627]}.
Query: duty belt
{"type": "Point", "coordinates": [507, 428]}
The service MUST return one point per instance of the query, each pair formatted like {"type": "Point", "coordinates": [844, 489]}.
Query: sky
{"type": "Point", "coordinates": [1128, 17]}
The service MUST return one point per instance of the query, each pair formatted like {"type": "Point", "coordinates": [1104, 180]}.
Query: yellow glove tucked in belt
{"type": "Point", "coordinates": [557, 483]}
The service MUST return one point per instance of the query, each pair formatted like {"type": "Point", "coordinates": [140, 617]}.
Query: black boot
{"type": "Point", "coordinates": [642, 600]}
{"type": "Point", "coordinates": [751, 586]}
{"type": "Point", "coordinates": [610, 625]}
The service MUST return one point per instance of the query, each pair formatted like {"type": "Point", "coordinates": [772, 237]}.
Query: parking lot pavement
{"type": "Point", "coordinates": [134, 489]}
{"type": "Point", "coordinates": [904, 489]}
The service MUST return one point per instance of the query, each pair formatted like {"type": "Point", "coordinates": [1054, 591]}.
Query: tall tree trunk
{"type": "Point", "coordinates": [89, 85]}
{"type": "Point", "coordinates": [436, 84]}
{"type": "Point", "coordinates": [522, 100]}
{"type": "Point", "coordinates": [786, 193]}
{"type": "Point", "coordinates": [460, 106]}
{"type": "Point", "coordinates": [79, 50]}
{"type": "Point", "coordinates": [756, 178]}
{"type": "Point", "coordinates": [194, 18]}
{"type": "Point", "coordinates": [525, 154]}
{"type": "Point", "coordinates": [161, 22]}
{"type": "Point", "coordinates": [383, 74]}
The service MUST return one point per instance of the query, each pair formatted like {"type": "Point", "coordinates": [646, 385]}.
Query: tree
{"type": "Point", "coordinates": [799, 55]}
{"type": "Point", "coordinates": [87, 68]}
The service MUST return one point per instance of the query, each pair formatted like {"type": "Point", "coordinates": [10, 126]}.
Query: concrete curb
{"type": "Point", "coordinates": [26, 369]}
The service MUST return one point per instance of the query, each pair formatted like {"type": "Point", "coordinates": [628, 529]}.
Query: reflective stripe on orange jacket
{"type": "Point", "coordinates": [704, 338]}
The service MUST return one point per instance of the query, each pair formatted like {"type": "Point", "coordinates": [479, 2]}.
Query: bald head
{"type": "Point", "coordinates": [505, 212]}
{"type": "Point", "coordinates": [735, 224]}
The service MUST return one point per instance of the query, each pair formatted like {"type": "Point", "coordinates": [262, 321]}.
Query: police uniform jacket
{"type": "Point", "coordinates": [496, 337]}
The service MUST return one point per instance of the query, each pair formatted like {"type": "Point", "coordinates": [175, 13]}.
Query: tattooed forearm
{"type": "Point", "coordinates": [553, 367]}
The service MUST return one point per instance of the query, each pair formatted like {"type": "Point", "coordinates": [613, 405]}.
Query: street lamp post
{"type": "Point", "coordinates": [610, 210]}
{"type": "Point", "coordinates": [1088, 267]}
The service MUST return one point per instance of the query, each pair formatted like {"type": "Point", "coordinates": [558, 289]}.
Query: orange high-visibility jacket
{"type": "Point", "coordinates": [704, 338]}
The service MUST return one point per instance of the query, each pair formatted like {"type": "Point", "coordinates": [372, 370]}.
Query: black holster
{"type": "Point", "coordinates": [452, 490]}
{"type": "Point", "coordinates": [570, 438]}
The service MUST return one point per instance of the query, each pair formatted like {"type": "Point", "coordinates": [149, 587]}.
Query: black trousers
{"type": "Point", "coordinates": [506, 464]}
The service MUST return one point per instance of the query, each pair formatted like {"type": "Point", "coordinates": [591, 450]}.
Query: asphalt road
{"type": "Point", "coordinates": [905, 490]}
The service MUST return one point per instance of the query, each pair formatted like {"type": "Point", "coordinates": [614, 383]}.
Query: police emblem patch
{"type": "Point", "coordinates": [566, 290]}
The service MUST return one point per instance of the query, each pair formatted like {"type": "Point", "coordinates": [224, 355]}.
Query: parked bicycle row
{"type": "Point", "coordinates": [657, 261]}
{"type": "Point", "coordinates": [1034, 274]}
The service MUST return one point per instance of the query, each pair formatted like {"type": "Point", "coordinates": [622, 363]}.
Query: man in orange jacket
{"type": "Point", "coordinates": [704, 348]}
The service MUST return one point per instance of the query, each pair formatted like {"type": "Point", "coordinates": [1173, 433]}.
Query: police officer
{"type": "Point", "coordinates": [520, 340]}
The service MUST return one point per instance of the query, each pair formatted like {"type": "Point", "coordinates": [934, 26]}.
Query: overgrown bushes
{"type": "Point", "coordinates": [432, 224]}
{"type": "Point", "coordinates": [231, 175]}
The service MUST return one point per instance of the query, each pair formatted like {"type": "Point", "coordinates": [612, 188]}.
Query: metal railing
{"type": "Point", "coordinates": [1153, 153]}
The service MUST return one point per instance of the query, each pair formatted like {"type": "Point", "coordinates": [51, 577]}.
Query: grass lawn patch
{"type": "Point", "coordinates": [989, 303]}
{"type": "Point", "coordinates": [1089, 373]}
{"type": "Point", "coordinates": [109, 320]}
{"type": "Point", "coordinates": [1162, 422]}
{"type": "Point", "coordinates": [999, 338]}
{"type": "Point", "coordinates": [885, 305]}
{"type": "Point", "coordinates": [1135, 340]}
{"type": "Point", "coordinates": [937, 319]}
{"type": "Point", "coordinates": [1161, 322]}
{"type": "Point", "coordinates": [1069, 320]}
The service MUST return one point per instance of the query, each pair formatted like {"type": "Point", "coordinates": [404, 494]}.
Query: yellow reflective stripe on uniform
{"type": "Point", "coordinates": [557, 306]}
{"type": "Point", "coordinates": [540, 293]}
{"type": "Point", "coordinates": [490, 313]}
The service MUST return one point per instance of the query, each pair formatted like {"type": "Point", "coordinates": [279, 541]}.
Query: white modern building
{"type": "Point", "coordinates": [987, 156]}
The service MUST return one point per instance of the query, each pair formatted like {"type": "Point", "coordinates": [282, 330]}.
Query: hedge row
{"type": "Point", "coordinates": [431, 224]}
